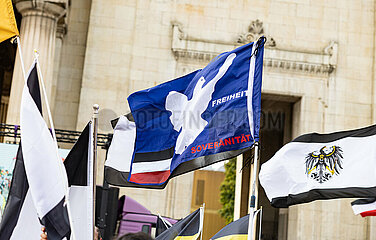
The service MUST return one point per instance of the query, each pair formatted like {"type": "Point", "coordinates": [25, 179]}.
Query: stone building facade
{"type": "Point", "coordinates": [320, 58]}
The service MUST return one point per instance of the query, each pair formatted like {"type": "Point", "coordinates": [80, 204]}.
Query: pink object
{"type": "Point", "coordinates": [136, 218]}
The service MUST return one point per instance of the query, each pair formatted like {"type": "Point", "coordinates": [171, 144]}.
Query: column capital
{"type": "Point", "coordinates": [54, 9]}
{"type": "Point", "coordinates": [61, 30]}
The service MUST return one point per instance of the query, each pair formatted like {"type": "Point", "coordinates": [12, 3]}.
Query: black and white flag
{"type": "Point", "coordinates": [322, 166]}
{"type": "Point", "coordinates": [161, 225]}
{"type": "Point", "coordinates": [79, 168]}
{"type": "Point", "coordinates": [188, 228]}
{"type": "Point", "coordinates": [40, 181]}
{"type": "Point", "coordinates": [19, 205]}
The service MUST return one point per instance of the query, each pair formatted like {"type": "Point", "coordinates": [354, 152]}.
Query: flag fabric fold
{"type": "Point", "coordinates": [365, 207]}
{"type": "Point", "coordinates": [43, 166]}
{"type": "Point", "coordinates": [237, 230]}
{"type": "Point", "coordinates": [8, 25]}
{"type": "Point", "coordinates": [16, 199]}
{"type": "Point", "coordinates": [39, 174]}
{"type": "Point", "coordinates": [322, 166]}
{"type": "Point", "coordinates": [189, 228]}
{"type": "Point", "coordinates": [161, 225]}
{"type": "Point", "coordinates": [211, 115]}
{"type": "Point", "coordinates": [20, 220]}
{"type": "Point", "coordinates": [120, 154]}
{"type": "Point", "coordinates": [14, 212]}
{"type": "Point", "coordinates": [78, 165]}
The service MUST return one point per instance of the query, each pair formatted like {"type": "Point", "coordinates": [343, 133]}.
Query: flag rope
{"type": "Point", "coordinates": [63, 174]}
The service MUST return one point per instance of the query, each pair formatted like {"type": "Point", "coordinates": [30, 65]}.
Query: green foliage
{"type": "Point", "coordinates": [227, 191]}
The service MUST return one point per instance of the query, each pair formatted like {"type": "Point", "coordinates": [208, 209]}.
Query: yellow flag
{"type": "Point", "coordinates": [8, 26]}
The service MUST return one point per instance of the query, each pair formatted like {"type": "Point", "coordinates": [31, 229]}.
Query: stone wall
{"type": "Point", "coordinates": [71, 65]}
{"type": "Point", "coordinates": [323, 56]}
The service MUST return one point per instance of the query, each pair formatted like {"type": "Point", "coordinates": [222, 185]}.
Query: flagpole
{"type": "Point", "coordinates": [36, 54]}
{"type": "Point", "coordinates": [253, 200]}
{"type": "Point", "coordinates": [21, 57]}
{"type": "Point", "coordinates": [202, 220]}
{"type": "Point", "coordinates": [62, 170]}
{"type": "Point", "coordinates": [260, 228]}
{"type": "Point", "coordinates": [94, 163]}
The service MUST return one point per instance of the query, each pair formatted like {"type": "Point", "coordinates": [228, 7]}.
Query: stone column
{"type": "Point", "coordinates": [60, 33]}
{"type": "Point", "coordinates": [38, 31]}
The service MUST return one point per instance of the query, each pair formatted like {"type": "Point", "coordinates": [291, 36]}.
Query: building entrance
{"type": "Point", "coordinates": [276, 129]}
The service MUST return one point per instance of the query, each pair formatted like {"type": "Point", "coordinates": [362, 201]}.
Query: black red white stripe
{"type": "Point", "coordinates": [117, 166]}
{"type": "Point", "coordinates": [365, 207]}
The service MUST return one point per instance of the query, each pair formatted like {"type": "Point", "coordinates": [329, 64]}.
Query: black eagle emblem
{"type": "Point", "coordinates": [323, 164]}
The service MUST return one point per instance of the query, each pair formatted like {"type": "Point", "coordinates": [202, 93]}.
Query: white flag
{"type": "Point", "coordinates": [322, 166]}
{"type": "Point", "coordinates": [44, 168]}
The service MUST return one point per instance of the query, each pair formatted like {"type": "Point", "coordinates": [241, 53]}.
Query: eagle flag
{"type": "Point", "coordinates": [207, 116]}
{"type": "Point", "coordinates": [237, 230]}
{"type": "Point", "coordinates": [365, 207]}
{"type": "Point", "coordinates": [322, 166]}
{"type": "Point", "coordinates": [8, 25]}
{"type": "Point", "coordinates": [188, 228]}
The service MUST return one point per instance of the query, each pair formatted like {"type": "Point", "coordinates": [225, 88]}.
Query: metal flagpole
{"type": "Point", "coordinates": [253, 200]}
{"type": "Point", "coordinates": [261, 212]}
{"type": "Point", "coordinates": [95, 140]}
{"type": "Point", "coordinates": [202, 212]}
{"type": "Point", "coordinates": [17, 39]}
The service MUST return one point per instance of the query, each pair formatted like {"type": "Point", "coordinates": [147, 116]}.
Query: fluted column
{"type": "Point", "coordinates": [60, 33]}
{"type": "Point", "coordinates": [38, 31]}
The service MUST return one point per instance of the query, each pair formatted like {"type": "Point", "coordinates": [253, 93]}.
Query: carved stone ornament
{"type": "Point", "coordinates": [319, 63]}
{"type": "Point", "coordinates": [255, 31]}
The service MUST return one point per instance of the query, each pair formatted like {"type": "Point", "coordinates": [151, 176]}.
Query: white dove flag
{"type": "Point", "coordinates": [322, 166]}
{"type": "Point", "coordinates": [207, 116]}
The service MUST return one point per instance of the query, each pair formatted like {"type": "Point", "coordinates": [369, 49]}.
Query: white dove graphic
{"type": "Point", "coordinates": [186, 115]}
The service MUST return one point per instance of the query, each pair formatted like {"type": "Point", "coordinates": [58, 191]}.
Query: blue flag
{"type": "Point", "coordinates": [210, 111]}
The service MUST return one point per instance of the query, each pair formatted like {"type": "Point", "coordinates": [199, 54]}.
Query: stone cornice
{"type": "Point", "coordinates": [320, 63]}
{"type": "Point", "coordinates": [54, 9]}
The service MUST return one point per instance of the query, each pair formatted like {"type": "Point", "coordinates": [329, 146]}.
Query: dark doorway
{"type": "Point", "coordinates": [276, 123]}
{"type": "Point", "coordinates": [7, 56]}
